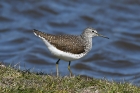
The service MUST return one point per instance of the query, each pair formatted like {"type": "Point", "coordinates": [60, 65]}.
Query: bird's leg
{"type": "Point", "coordinates": [69, 69]}
{"type": "Point", "coordinates": [57, 73]}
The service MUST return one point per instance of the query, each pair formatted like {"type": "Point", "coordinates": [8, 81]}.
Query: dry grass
{"type": "Point", "coordinates": [15, 81]}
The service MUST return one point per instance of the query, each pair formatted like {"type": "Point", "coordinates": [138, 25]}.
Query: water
{"type": "Point", "coordinates": [115, 59]}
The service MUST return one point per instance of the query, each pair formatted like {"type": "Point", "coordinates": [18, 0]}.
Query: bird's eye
{"type": "Point", "coordinates": [94, 31]}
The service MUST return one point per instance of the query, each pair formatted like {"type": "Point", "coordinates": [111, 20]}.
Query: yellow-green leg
{"type": "Point", "coordinates": [69, 69]}
{"type": "Point", "coordinates": [57, 72]}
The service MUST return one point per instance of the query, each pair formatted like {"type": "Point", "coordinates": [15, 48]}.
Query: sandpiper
{"type": "Point", "coordinates": [69, 47]}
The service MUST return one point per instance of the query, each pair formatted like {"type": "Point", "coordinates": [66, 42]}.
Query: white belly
{"type": "Point", "coordinates": [62, 55]}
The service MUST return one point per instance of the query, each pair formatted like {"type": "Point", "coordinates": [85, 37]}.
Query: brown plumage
{"type": "Point", "coordinates": [67, 43]}
{"type": "Point", "coordinates": [78, 45]}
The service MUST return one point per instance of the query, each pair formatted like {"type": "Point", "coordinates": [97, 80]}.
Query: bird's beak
{"type": "Point", "coordinates": [102, 36]}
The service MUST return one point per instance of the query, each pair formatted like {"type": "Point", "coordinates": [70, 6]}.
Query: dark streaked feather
{"type": "Point", "coordinates": [67, 43]}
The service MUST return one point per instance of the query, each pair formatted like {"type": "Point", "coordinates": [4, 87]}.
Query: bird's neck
{"type": "Point", "coordinates": [88, 42]}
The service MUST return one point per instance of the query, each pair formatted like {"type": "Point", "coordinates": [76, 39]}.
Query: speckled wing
{"type": "Point", "coordinates": [67, 43]}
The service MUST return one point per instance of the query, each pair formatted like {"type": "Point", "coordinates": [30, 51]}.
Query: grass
{"type": "Point", "coordinates": [15, 81]}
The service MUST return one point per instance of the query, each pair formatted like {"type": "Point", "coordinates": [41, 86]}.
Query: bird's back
{"type": "Point", "coordinates": [68, 43]}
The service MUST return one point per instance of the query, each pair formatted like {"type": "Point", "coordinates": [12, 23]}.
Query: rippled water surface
{"type": "Point", "coordinates": [115, 59]}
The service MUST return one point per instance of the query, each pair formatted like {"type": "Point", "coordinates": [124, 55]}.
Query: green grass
{"type": "Point", "coordinates": [15, 81]}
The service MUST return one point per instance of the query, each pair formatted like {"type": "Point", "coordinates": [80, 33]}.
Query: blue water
{"type": "Point", "coordinates": [115, 59]}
